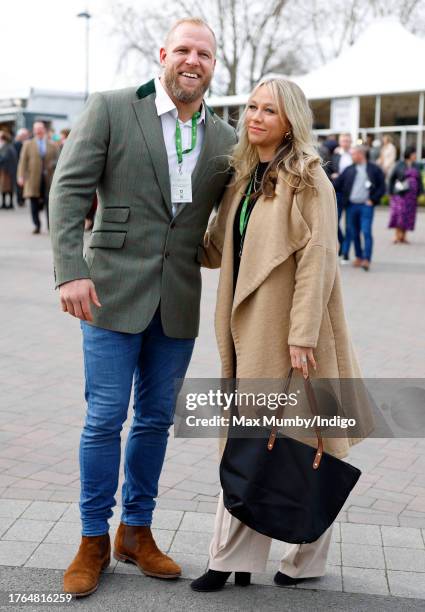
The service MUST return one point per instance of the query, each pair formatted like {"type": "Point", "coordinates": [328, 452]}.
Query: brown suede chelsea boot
{"type": "Point", "coordinates": [82, 576]}
{"type": "Point", "coordinates": [136, 545]}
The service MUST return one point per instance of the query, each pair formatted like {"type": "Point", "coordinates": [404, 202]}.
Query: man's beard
{"type": "Point", "coordinates": [182, 95]}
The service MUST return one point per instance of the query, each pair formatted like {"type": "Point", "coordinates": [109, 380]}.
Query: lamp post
{"type": "Point", "coordinates": [86, 15]}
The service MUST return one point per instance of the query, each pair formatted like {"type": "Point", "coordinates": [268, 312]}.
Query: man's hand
{"type": "Point", "coordinates": [20, 181]}
{"type": "Point", "coordinates": [75, 297]}
{"type": "Point", "coordinates": [369, 202]}
{"type": "Point", "coordinates": [300, 356]}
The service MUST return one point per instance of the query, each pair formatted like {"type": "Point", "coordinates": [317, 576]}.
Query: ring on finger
{"type": "Point", "coordinates": [303, 359]}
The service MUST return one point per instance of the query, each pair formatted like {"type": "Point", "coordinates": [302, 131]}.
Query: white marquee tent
{"type": "Point", "coordinates": [385, 59]}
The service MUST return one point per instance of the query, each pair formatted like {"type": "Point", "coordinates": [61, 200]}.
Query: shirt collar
{"type": "Point", "coordinates": [164, 103]}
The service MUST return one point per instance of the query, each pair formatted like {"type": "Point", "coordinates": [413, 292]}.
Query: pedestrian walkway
{"type": "Point", "coordinates": [379, 540]}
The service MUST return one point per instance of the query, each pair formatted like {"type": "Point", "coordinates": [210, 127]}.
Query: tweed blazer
{"type": "Point", "coordinates": [30, 167]}
{"type": "Point", "coordinates": [138, 254]}
{"type": "Point", "coordinates": [288, 292]}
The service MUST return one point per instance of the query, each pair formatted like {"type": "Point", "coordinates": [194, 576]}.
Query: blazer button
{"type": "Point", "coordinates": [167, 254]}
{"type": "Point", "coordinates": [173, 225]}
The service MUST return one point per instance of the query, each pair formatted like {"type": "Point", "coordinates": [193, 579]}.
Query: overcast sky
{"type": "Point", "coordinates": [42, 44]}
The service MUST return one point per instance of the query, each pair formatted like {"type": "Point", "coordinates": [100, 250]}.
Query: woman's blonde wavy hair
{"type": "Point", "coordinates": [297, 154]}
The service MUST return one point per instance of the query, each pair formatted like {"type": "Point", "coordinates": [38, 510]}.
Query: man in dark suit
{"type": "Point", "coordinates": [361, 186]}
{"type": "Point", "coordinates": [158, 158]}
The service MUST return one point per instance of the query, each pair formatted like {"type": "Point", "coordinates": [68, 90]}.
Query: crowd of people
{"type": "Point", "coordinates": [27, 164]}
{"type": "Point", "coordinates": [362, 175]}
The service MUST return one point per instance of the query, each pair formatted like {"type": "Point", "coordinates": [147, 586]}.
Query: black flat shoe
{"type": "Point", "coordinates": [213, 580]}
{"type": "Point", "coordinates": [284, 580]}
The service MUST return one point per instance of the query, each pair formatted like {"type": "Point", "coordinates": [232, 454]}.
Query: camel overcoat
{"type": "Point", "coordinates": [31, 167]}
{"type": "Point", "coordinates": [288, 290]}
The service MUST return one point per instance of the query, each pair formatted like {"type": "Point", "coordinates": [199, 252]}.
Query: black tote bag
{"type": "Point", "coordinates": [281, 487]}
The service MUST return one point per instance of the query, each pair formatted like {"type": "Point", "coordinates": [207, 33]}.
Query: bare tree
{"type": "Point", "coordinates": [409, 12]}
{"type": "Point", "coordinates": [336, 24]}
{"type": "Point", "coordinates": [256, 37]}
{"type": "Point", "coordinates": [251, 37]}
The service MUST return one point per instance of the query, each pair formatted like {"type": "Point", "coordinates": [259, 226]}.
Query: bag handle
{"type": "Point", "coordinates": [311, 398]}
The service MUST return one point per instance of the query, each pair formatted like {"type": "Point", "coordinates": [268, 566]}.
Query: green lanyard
{"type": "Point", "coordinates": [243, 219]}
{"type": "Point", "coordinates": [179, 146]}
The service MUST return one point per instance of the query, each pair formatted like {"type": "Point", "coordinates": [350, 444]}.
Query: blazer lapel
{"type": "Point", "coordinates": [207, 151]}
{"type": "Point", "coordinates": [150, 125]}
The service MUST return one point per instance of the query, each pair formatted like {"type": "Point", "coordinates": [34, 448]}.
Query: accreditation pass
{"type": "Point", "coordinates": [181, 187]}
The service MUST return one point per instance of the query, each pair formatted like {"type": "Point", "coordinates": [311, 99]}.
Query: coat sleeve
{"type": "Point", "coordinates": [340, 181]}
{"type": "Point", "coordinates": [393, 177]}
{"type": "Point", "coordinates": [23, 162]}
{"type": "Point", "coordinates": [315, 263]}
{"type": "Point", "coordinates": [212, 247]}
{"type": "Point", "coordinates": [77, 174]}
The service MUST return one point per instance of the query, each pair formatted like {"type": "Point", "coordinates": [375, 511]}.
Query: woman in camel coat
{"type": "Point", "coordinates": [279, 299]}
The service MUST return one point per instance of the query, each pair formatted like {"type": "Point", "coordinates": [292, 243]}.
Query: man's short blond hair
{"type": "Point", "coordinates": [197, 21]}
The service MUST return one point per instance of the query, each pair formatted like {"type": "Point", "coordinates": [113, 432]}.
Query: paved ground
{"type": "Point", "coordinates": [379, 540]}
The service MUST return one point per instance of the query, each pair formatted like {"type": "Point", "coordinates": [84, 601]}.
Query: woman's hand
{"type": "Point", "coordinates": [300, 356]}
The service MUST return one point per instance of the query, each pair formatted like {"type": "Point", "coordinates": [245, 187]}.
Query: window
{"type": "Point", "coordinates": [400, 109]}
{"type": "Point", "coordinates": [321, 114]}
{"type": "Point", "coordinates": [367, 111]}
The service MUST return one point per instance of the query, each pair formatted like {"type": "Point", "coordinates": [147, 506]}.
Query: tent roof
{"type": "Point", "coordinates": [385, 59]}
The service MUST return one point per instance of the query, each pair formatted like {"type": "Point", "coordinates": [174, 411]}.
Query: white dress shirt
{"type": "Point", "coordinates": [344, 161]}
{"type": "Point", "coordinates": [167, 112]}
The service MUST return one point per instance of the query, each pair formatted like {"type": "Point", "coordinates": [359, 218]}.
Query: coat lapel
{"type": "Point", "coordinates": [207, 151]}
{"type": "Point", "coordinates": [276, 230]}
{"type": "Point", "coordinates": [150, 125]}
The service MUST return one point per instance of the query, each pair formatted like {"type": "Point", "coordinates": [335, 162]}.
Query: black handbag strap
{"type": "Point", "coordinates": [311, 398]}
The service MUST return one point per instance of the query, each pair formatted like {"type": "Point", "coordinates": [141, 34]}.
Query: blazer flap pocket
{"type": "Point", "coordinates": [200, 253]}
{"type": "Point", "coordinates": [116, 214]}
{"type": "Point", "coordinates": [107, 240]}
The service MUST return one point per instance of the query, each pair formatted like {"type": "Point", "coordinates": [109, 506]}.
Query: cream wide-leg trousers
{"type": "Point", "coordinates": [237, 548]}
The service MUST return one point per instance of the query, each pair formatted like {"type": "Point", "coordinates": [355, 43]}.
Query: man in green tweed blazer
{"type": "Point", "coordinates": [158, 160]}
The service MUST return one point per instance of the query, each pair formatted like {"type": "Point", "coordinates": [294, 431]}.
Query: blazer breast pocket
{"type": "Point", "coordinates": [107, 240]}
{"type": "Point", "coordinates": [116, 214]}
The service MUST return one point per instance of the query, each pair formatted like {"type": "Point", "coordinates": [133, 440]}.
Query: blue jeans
{"type": "Point", "coordinates": [111, 361]}
{"type": "Point", "coordinates": [359, 221]}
